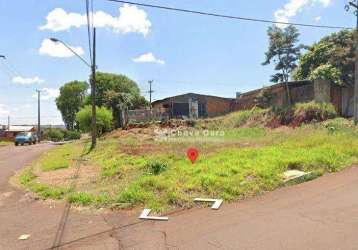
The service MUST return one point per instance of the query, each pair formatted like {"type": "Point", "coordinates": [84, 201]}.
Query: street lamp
{"type": "Point", "coordinates": [92, 65]}
{"type": "Point", "coordinates": [55, 40]}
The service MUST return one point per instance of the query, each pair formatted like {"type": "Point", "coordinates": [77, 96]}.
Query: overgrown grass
{"type": "Point", "coordinates": [60, 157]}
{"type": "Point", "coordinates": [247, 161]}
{"type": "Point", "coordinates": [28, 179]}
{"type": "Point", "coordinates": [5, 143]}
{"type": "Point", "coordinates": [232, 120]}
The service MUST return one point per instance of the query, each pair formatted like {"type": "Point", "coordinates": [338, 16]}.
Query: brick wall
{"type": "Point", "coordinates": [217, 106]}
{"type": "Point", "coordinates": [301, 91]}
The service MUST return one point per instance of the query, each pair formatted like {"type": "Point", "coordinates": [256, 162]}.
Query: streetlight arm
{"type": "Point", "coordinates": [55, 40]}
{"type": "Point", "coordinates": [2, 56]}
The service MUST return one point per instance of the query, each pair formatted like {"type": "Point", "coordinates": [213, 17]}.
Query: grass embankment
{"type": "Point", "coordinates": [131, 168]}
{"type": "Point", "coordinates": [5, 143]}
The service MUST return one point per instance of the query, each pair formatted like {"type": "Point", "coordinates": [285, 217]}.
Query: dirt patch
{"type": "Point", "coordinates": [64, 177]}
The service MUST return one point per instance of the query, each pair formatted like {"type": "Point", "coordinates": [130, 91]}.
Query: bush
{"type": "Point", "coordinates": [55, 134]}
{"type": "Point", "coordinates": [72, 135]}
{"type": "Point", "coordinates": [301, 113]}
{"type": "Point", "coordinates": [104, 119]}
{"type": "Point", "coordinates": [315, 111]}
{"type": "Point", "coordinates": [156, 167]}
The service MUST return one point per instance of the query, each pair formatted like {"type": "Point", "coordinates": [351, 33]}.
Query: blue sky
{"type": "Point", "coordinates": [180, 52]}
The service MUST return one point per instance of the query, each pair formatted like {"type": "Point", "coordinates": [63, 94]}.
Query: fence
{"type": "Point", "coordinates": [146, 115]}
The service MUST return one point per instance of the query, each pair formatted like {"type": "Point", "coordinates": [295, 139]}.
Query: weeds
{"type": "Point", "coordinates": [232, 170]}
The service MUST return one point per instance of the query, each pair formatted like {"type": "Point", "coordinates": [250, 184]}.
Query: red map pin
{"type": "Point", "coordinates": [192, 154]}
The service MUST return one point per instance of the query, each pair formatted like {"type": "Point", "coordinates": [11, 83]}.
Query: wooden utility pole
{"type": "Point", "coordinates": [354, 5]}
{"type": "Point", "coordinates": [150, 93]}
{"type": "Point", "coordinates": [38, 115]}
{"type": "Point", "coordinates": [93, 92]}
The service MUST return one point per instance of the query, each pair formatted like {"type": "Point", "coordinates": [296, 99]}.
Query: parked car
{"type": "Point", "coordinates": [25, 137]}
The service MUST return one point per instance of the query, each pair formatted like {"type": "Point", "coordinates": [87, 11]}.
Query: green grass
{"type": "Point", "coordinates": [60, 157]}
{"type": "Point", "coordinates": [245, 161]}
{"type": "Point", "coordinates": [28, 179]}
{"type": "Point", "coordinates": [5, 143]}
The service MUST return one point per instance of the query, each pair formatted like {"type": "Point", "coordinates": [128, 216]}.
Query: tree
{"type": "Point", "coordinates": [284, 52]}
{"type": "Point", "coordinates": [104, 119]}
{"type": "Point", "coordinates": [337, 50]}
{"type": "Point", "coordinates": [327, 72]}
{"type": "Point", "coordinates": [70, 101]}
{"type": "Point", "coordinates": [119, 93]}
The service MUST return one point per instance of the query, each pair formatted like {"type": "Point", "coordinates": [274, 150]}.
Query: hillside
{"type": "Point", "coordinates": [240, 155]}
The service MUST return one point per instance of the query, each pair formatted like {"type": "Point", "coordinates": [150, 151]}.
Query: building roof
{"type": "Point", "coordinates": [168, 98]}
{"type": "Point", "coordinates": [15, 128]}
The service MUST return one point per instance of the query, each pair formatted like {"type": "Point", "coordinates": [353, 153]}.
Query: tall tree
{"type": "Point", "coordinates": [336, 51]}
{"type": "Point", "coordinates": [284, 52]}
{"type": "Point", "coordinates": [119, 93]}
{"type": "Point", "coordinates": [70, 101]}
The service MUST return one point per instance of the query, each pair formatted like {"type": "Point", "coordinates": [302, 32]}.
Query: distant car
{"type": "Point", "coordinates": [25, 137]}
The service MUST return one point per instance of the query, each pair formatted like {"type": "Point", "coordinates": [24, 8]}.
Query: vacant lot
{"type": "Point", "coordinates": [148, 166]}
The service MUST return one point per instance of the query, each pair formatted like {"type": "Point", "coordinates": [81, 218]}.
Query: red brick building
{"type": "Point", "coordinates": [192, 105]}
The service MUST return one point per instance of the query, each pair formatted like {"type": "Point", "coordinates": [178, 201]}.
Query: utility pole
{"type": "Point", "coordinates": [150, 93]}
{"type": "Point", "coordinates": [354, 5]}
{"type": "Point", "coordinates": [8, 122]}
{"type": "Point", "coordinates": [93, 92]}
{"type": "Point", "coordinates": [38, 115]}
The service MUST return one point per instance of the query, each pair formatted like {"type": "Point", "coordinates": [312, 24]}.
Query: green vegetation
{"type": "Point", "coordinates": [60, 157]}
{"type": "Point", "coordinates": [70, 101]}
{"type": "Point", "coordinates": [58, 134]}
{"type": "Point", "coordinates": [4, 143]}
{"type": "Point", "coordinates": [132, 168]}
{"type": "Point", "coordinates": [284, 52]}
{"type": "Point", "coordinates": [331, 58]}
{"type": "Point", "coordinates": [28, 179]}
{"type": "Point", "coordinates": [326, 72]}
{"type": "Point", "coordinates": [104, 119]}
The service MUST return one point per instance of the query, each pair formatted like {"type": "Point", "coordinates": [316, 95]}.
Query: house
{"type": "Point", "coordinates": [12, 131]}
{"type": "Point", "coordinates": [193, 105]}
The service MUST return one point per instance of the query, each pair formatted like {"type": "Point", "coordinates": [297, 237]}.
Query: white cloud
{"type": "Point", "coordinates": [318, 18]}
{"type": "Point", "coordinates": [131, 19]}
{"type": "Point", "coordinates": [148, 58]}
{"type": "Point", "coordinates": [4, 110]}
{"type": "Point", "coordinates": [27, 80]}
{"type": "Point", "coordinates": [48, 93]}
{"type": "Point", "coordinates": [58, 49]}
{"type": "Point", "coordinates": [293, 7]}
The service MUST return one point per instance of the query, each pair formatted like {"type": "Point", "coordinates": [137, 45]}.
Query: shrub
{"type": "Point", "coordinates": [156, 167]}
{"type": "Point", "coordinates": [55, 134]}
{"type": "Point", "coordinates": [104, 119]}
{"type": "Point", "coordinates": [307, 112]}
{"type": "Point", "coordinates": [72, 135]}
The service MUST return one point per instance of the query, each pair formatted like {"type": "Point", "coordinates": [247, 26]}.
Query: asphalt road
{"type": "Point", "coordinates": [321, 214]}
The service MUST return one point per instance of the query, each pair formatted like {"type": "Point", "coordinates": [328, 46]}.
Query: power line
{"type": "Point", "coordinates": [228, 16]}
{"type": "Point", "coordinates": [89, 29]}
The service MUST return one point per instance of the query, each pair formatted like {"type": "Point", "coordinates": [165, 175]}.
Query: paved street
{"type": "Point", "coordinates": [20, 214]}
{"type": "Point", "coordinates": [321, 214]}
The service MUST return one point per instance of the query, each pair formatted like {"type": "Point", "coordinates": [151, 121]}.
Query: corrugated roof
{"type": "Point", "coordinates": [20, 128]}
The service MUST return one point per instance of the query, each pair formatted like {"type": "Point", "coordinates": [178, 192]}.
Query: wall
{"type": "Point", "coordinates": [322, 90]}
{"type": "Point", "coordinates": [207, 105]}
{"type": "Point", "coordinates": [145, 115]}
{"type": "Point", "coordinates": [347, 101]}
{"type": "Point", "coordinates": [218, 106]}
{"type": "Point", "coordinates": [301, 91]}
